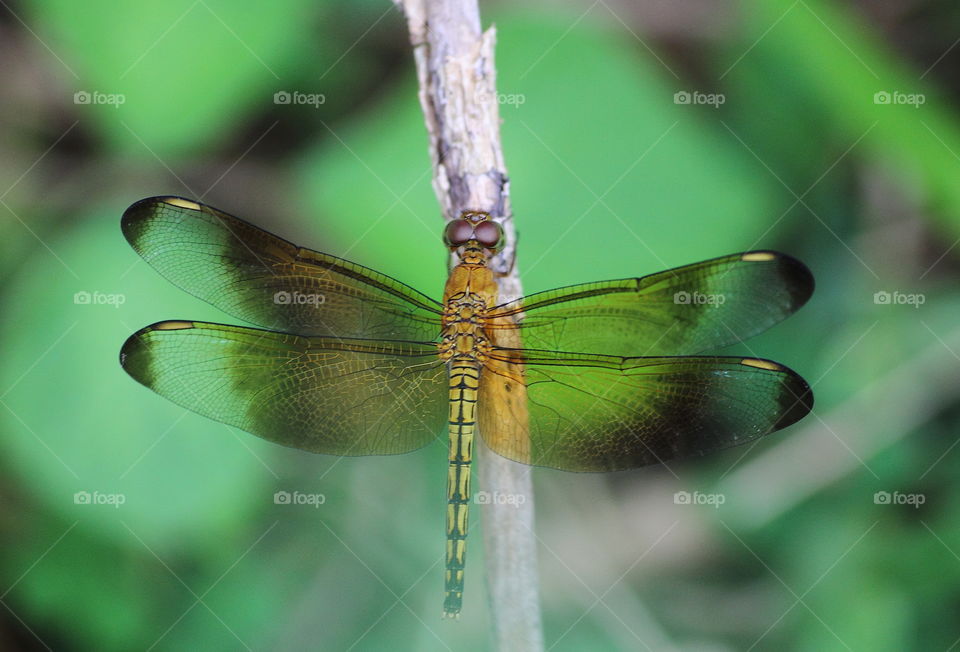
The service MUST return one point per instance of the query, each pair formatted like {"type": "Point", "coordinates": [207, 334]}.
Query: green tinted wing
{"type": "Point", "coordinates": [682, 311]}
{"type": "Point", "coordinates": [324, 395]}
{"type": "Point", "coordinates": [601, 413]}
{"type": "Point", "coordinates": [265, 280]}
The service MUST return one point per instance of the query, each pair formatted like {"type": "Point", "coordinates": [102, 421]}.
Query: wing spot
{"type": "Point", "coordinates": [182, 203]}
{"type": "Point", "coordinates": [758, 256]}
{"type": "Point", "coordinates": [173, 325]}
{"type": "Point", "coordinates": [761, 364]}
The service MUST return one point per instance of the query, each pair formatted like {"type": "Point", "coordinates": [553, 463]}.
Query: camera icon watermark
{"type": "Point", "coordinates": [97, 298]}
{"type": "Point", "coordinates": [298, 98]}
{"type": "Point", "coordinates": [498, 498]}
{"type": "Point", "coordinates": [299, 498]}
{"type": "Point", "coordinates": [897, 298]}
{"type": "Point", "coordinates": [96, 97]}
{"type": "Point", "coordinates": [297, 298]}
{"type": "Point", "coordinates": [696, 298]}
{"type": "Point", "coordinates": [898, 498]}
{"type": "Point", "coordinates": [699, 498]}
{"type": "Point", "coordinates": [99, 498]}
{"type": "Point", "coordinates": [897, 98]}
{"type": "Point", "coordinates": [698, 98]}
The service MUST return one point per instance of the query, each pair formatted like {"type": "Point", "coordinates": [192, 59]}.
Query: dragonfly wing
{"type": "Point", "coordinates": [267, 281]}
{"type": "Point", "coordinates": [682, 311]}
{"type": "Point", "coordinates": [602, 413]}
{"type": "Point", "coordinates": [323, 395]}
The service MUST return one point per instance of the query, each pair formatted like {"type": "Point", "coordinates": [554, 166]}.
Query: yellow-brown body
{"type": "Point", "coordinates": [470, 292]}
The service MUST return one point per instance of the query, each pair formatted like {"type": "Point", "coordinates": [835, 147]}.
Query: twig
{"type": "Point", "coordinates": [457, 82]}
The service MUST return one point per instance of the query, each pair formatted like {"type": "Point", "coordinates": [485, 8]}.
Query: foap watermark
{"type": "Point", "coordinates": [698, 299]}
{"type": "Point", "coordinates": [898, 98]}
{"type": "Point", "coordinates": [298, 498]}
{"type": "Point", "coordinates": [99, 498]}
{"type": "Point", "coordinates": [299, 98]}
{"type": "Point", "coordinates": [97, 298]}
{"type": "Point", "coordinates": [898, 498]}
{"type": "Point", "coordinates": [699, 498]}
{"type": "Point", "coordinates": [96, 97]}
{"type": "Point", "coordinates": [698, 98]}
{"type": "Point", "coordinates": [516, 100]}
{"type": "Point", "coordinates": [498, 498]}
{"type": "Point", "coordinates": [297, 298]}
{"type": "Point", "coordinates": [897, 298]}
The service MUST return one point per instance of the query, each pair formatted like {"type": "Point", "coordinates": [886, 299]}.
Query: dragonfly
{"type": "Point", "coordinates": [345, 361]}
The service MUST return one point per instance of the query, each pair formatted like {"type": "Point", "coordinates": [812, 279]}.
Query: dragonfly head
{"type": "Point", "coordinates": [473, 233]}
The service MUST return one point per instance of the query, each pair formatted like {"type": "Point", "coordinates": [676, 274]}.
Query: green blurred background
{"type": "Point", "coordinates": [612, 176]}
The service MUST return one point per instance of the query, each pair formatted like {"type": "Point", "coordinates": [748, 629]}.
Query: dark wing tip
{"type": "Point", "coordinates": [798, 279]}
{"type": "Point", "coordinates": [135, 354]}
{"type": "Point", "coordinates": [138, 212]}
{"type": "Point", "coordinates": [796, 397]}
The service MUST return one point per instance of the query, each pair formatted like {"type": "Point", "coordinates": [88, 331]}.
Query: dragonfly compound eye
{"type": "Point", "coordinates": [489, 234]}
{"type": "Point", "coordinates": [457, 233]}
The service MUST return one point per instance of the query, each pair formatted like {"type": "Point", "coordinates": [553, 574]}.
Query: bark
{"type": "Point", "coordinates": [457, 90]}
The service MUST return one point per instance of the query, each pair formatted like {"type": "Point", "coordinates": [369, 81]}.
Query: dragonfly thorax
{"type": "Point", "coordinates": [463, 321]}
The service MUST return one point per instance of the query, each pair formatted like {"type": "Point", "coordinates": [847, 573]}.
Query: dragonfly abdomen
{"type": "Point", "coordinates": [464, 382]}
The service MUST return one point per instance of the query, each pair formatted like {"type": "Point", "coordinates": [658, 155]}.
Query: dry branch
{"type": "Point", "coordinates": [457, 89]}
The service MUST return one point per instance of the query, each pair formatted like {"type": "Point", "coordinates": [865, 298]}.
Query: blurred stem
{"type": "Point", "coordinates": [883, 412]}
{"type": "Point", "coordinates": [457, 89]}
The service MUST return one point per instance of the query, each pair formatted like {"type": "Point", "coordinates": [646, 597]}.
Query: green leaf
{"type": "Point", "coordinates": [171, 68]}
{"type": "Point", "coordinates": [841, 72]}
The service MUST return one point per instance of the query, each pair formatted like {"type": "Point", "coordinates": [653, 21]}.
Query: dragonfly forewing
{"type": "Point", "coordinates": [682, 311]}
{"type": "Point", "coordinates": [270, 282]}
